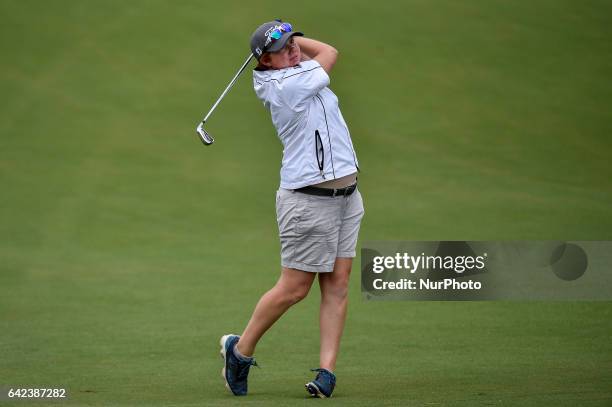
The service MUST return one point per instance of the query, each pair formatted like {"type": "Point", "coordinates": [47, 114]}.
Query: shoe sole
{"type": "Point", "coordinates": [222, 342]}
{"type": "Point", "coordinates": [314, 390]}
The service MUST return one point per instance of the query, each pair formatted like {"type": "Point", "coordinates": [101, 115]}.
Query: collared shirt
{"type": "Point", "coordinates": [317, 145]}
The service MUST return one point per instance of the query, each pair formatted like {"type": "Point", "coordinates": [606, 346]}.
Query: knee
{"type": "Point", "coordinates": [296, 294]}
{"type": "Point", "coordinates": [340, 293]}
{"type": "Point", "coordinates": [299, 294]}
{"type": "Point", "coordinates": [338, 290]}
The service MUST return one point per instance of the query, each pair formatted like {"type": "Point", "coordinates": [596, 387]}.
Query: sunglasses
{"type": "Point", "coordinates": [277, 33]}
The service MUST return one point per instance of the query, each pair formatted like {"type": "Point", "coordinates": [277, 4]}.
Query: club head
{"type": "Point", "coordinates": [206, 138]}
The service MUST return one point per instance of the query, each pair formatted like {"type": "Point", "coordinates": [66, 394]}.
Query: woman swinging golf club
{"type": "Point", "coordinates": [318, 206]}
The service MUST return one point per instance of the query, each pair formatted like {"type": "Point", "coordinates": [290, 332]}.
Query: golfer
{"type": "Point", "coordinates": [318, 206]}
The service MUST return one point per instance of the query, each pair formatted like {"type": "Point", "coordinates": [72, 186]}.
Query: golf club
{"type": "Point", "coordinates": [206, 138]}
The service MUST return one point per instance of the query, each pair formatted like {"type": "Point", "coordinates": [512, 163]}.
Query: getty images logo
{"type": "Point", "coordinates": [405, 261]}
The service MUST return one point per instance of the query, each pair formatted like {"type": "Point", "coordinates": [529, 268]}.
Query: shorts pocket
{"type": "Point", "coordinates": [315, 250]}
{"type": "Point", "coordinates": [287, 213]}
{"type": "Point", "coordinates": [318, 218]}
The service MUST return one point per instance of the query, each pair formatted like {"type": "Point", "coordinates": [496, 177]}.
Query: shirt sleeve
{"type": "Point", "coordinates": [301, 83]}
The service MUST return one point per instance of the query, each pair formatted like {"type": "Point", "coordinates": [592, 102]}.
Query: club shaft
{"type": "Point", "coordinates": [242, 68]}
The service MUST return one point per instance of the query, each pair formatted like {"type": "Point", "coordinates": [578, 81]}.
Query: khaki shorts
{"type": "Point", "coordinates": [314, 230]}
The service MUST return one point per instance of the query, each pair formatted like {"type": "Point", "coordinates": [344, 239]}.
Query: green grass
{"type": "Point", "coordinates": [127, 248]}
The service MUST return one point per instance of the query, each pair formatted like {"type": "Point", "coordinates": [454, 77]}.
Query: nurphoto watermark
{"type": "Point", "coordinates": [486, 270]}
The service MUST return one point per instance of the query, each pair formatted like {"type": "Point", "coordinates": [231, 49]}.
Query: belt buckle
{"type": "Point", "coordinates": [335, 192]}
{"type": "Point", "coordinates": [350, 189]}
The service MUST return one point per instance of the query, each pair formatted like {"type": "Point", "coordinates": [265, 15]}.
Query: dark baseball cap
{"type": "Point", "coordinates": [263, 39]}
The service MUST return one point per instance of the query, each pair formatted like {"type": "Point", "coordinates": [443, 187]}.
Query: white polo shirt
{"type": "Point", "coordinates": [317, 145]}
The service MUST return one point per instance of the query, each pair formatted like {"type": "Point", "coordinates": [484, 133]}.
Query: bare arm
{"type": "Point", "coordinates": [324, 54]}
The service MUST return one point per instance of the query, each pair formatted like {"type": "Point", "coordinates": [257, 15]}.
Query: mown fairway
{"type": "Point", "coordinates": [127, 248]}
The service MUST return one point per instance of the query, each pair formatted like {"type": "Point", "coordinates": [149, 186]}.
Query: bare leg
{"type": "Point", "coordinates": [292, 286]}
{"type": "Point", "coordinates": [334, 300]}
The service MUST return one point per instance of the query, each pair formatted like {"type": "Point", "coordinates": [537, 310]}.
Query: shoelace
{"type": "Point", "coordinates": [243, 368]}
{"type": "Point", "coordinates": [324, 372]}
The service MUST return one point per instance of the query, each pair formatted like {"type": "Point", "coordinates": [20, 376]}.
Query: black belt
{"type": "Point", "coordinates": [328, 191]}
